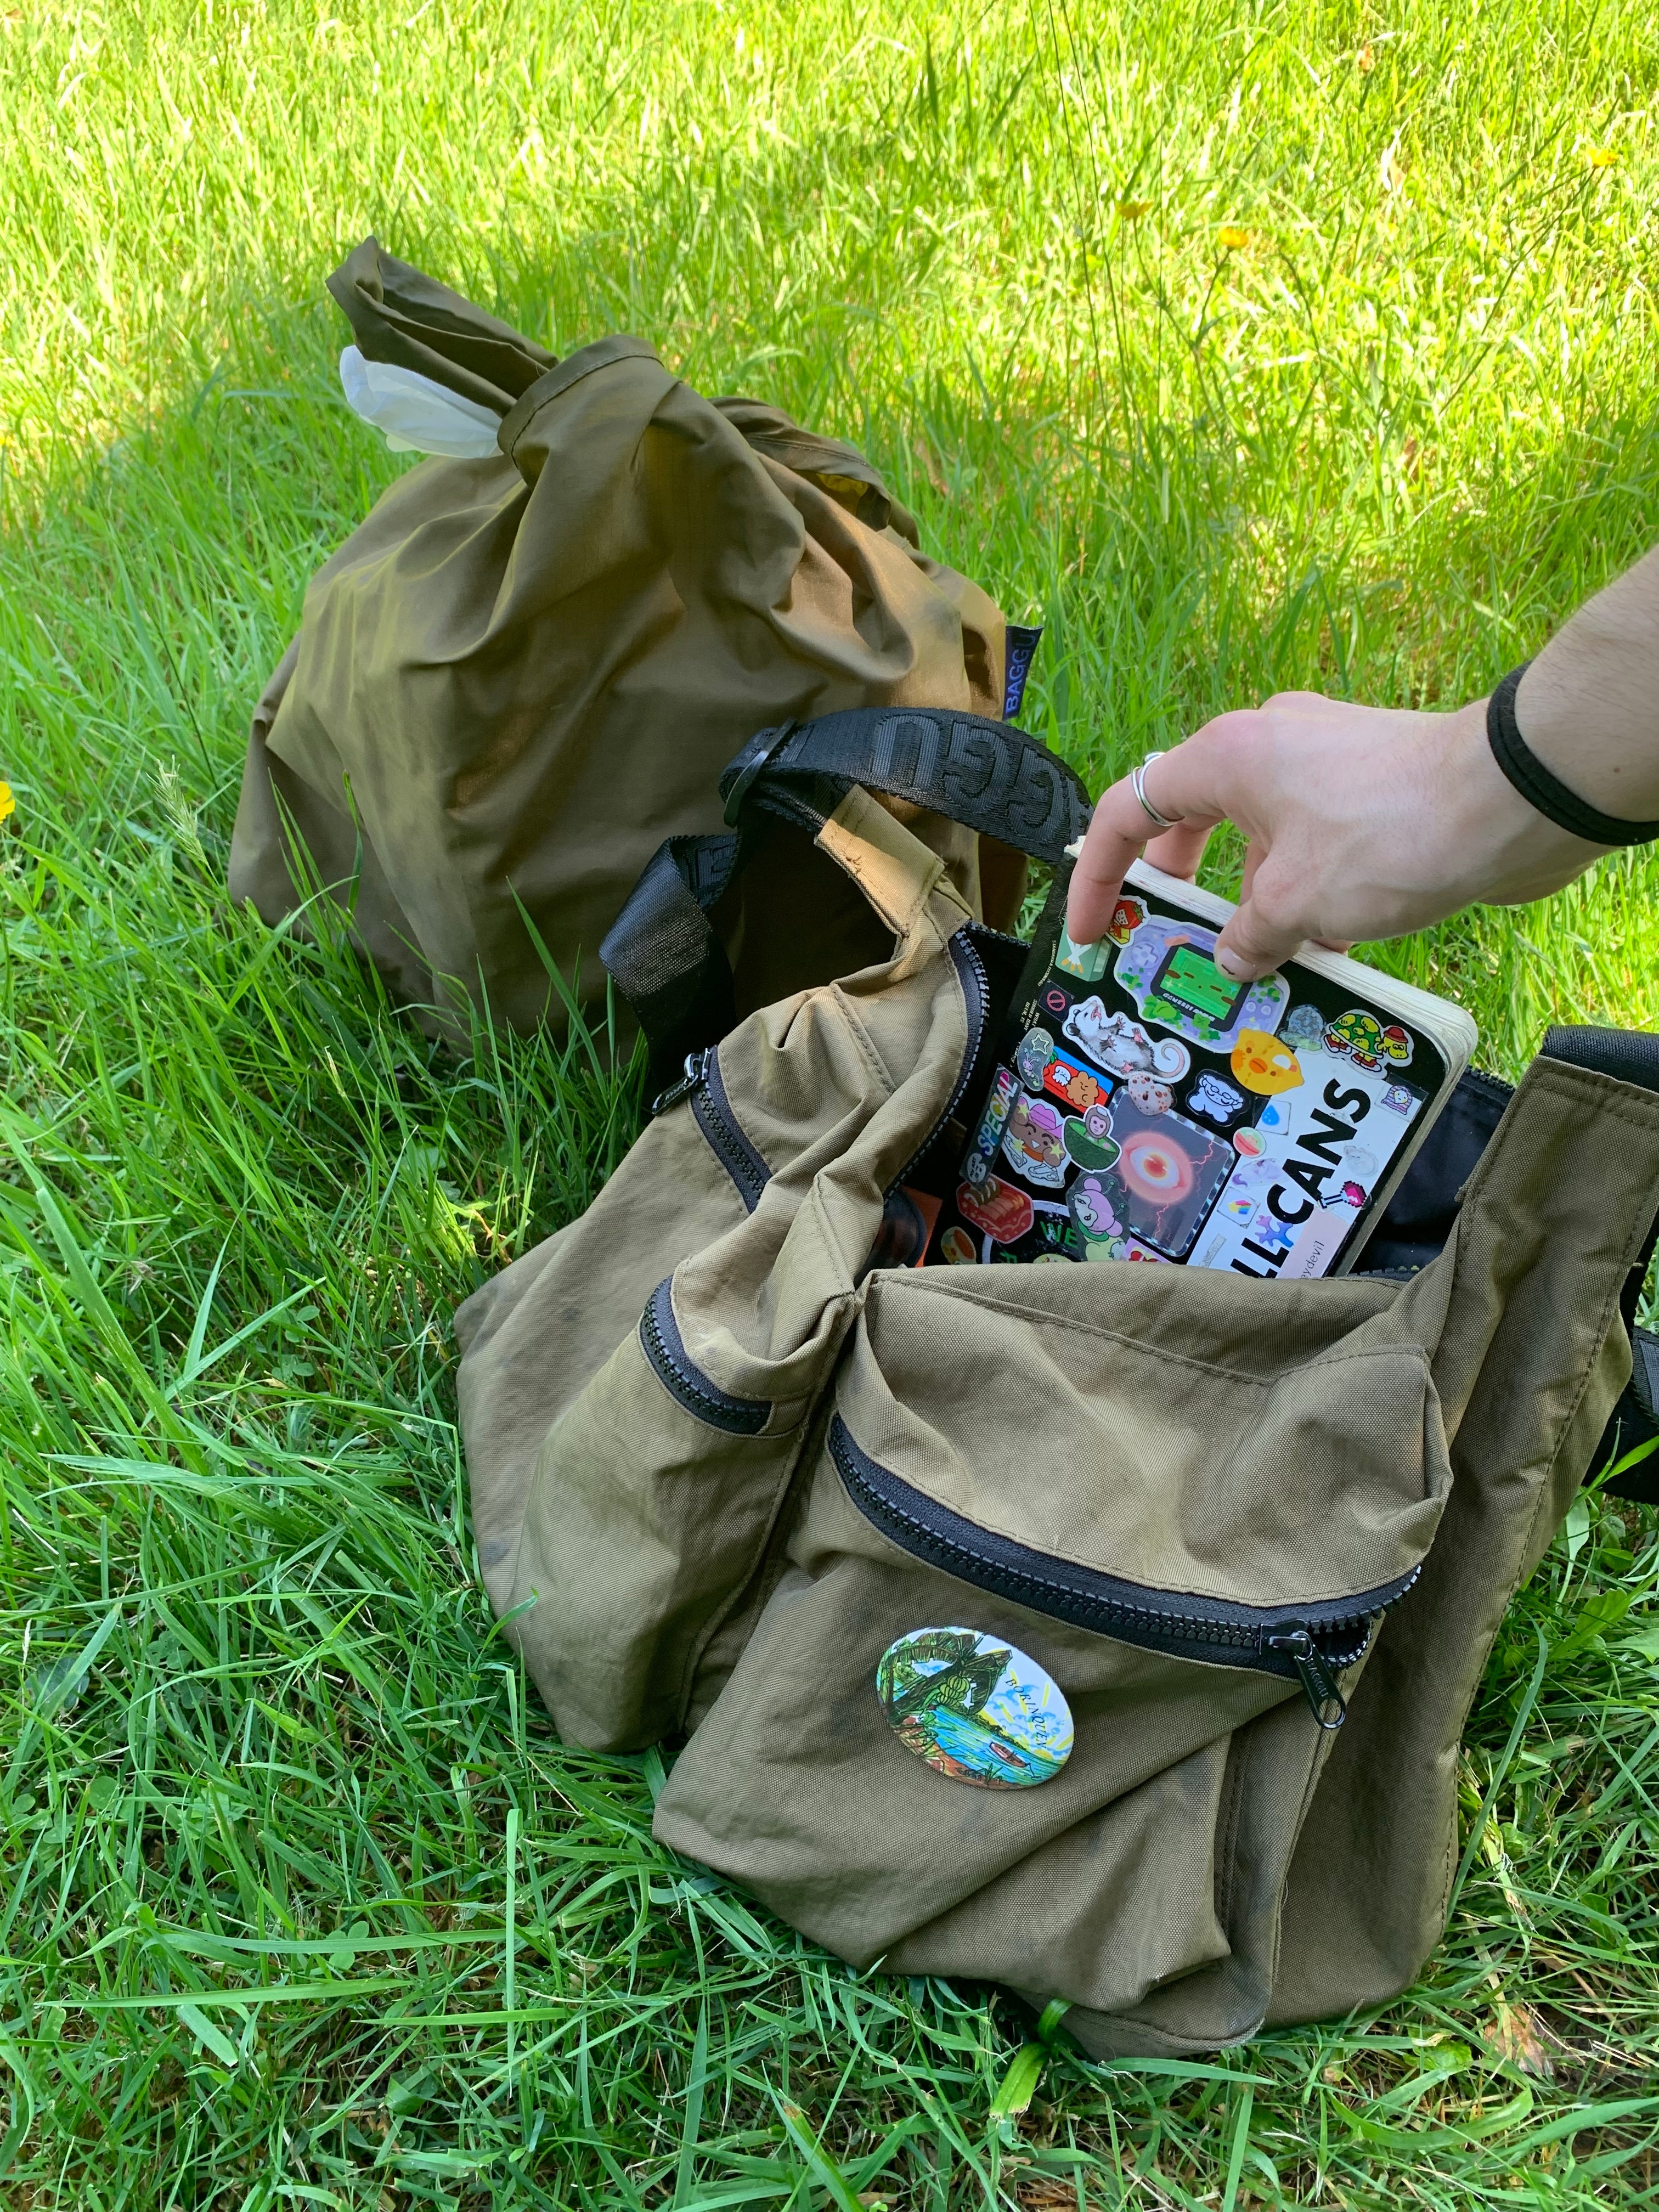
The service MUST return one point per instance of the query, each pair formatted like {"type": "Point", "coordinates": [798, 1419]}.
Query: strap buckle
{"type": "Point", "coordinates": [769, 742]}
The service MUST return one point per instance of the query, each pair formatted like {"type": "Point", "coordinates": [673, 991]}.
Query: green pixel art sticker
{"type": "Point", "coordinates": [975, 1708]}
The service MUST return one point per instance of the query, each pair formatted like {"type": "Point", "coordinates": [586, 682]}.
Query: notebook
{"type": "Point", "coordinates": [1141, 1105]}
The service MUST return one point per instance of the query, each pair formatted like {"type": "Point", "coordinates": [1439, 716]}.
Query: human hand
{"type": "Point", "coordinates": [1361, 822]}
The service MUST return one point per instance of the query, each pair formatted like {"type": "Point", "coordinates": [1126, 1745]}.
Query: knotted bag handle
{"type": "Point", "coordinates": [663, 952]}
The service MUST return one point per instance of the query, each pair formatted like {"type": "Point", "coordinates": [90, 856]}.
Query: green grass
{"type": "Point", "coordinates": [304, 1903]}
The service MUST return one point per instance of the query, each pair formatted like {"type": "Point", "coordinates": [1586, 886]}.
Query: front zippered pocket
{"type": "Point", "coordinates": [1311, 1643]}
{"type": "Point", "coordinates": [702, 1085]}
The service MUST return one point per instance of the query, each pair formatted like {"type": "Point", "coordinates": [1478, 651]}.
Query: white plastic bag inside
{"type": "Point", "coordinates": [416, 414]}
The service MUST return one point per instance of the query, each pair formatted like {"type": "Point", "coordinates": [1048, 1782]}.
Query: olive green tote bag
{"type": "Point", "coordinates": [1232, 1553]}
{"type": "Point", "coordinates": [529, 665]}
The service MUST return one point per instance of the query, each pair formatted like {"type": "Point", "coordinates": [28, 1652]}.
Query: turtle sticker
{"type": "Point", "coordinates": [1360, 1037]}
{"type": "Point", "coordinates": [974, 1708]}
{"type": "Point", "coordinates": [1262, 1063]}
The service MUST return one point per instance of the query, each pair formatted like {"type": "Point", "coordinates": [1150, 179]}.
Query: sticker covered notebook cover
{"type": "Point", "coordinates": [1144, 1106]}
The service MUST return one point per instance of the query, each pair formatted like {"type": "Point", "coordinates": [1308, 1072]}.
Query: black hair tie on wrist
{"type": "Point", "coordinates": [1540, 788]}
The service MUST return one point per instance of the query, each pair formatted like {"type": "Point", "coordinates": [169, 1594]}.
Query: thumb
{"type": "Point", "coordinates": [1261, 935]}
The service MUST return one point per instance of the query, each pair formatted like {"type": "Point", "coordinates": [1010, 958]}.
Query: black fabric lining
{"type": "Point", "coordinates": [684, 1380]}
{"type": "Point", "coordinates": [1543, 789]}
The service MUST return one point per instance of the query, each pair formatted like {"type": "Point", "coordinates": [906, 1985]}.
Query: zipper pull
{"type": "Point", "coordinates": [1319, 1684]}
{"type": "Point", "coordinates": [694, 1064]}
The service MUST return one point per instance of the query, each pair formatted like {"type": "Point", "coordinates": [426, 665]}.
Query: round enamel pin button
{"type": "Point", "coordinates": [975, 1708]}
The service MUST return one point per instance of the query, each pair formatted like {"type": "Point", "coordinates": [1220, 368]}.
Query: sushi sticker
{"type": "Point", "coordinates": [974, 1708]}
{"type": "Point", "coordinates": [1003, 1213]}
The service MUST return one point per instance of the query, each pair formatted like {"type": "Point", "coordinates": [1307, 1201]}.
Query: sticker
{"type": "Point", "coordinates": [992, 1122]}
{"type": "Point", "coordinates": [1056, 1002]}
{"type": "Point", "coordinates": [1169, 969]}
{"type": "Point", "coordinates": [1031, 1055]}
{"type": "Point", "coordinates": [995, 1207]}
{"type": "Point", "coordinates": [1084, 1147]}
{"type": "Point", "coordinates": [1247, 1144]}
{"type": "Point", "coordinates": [975, 1709]}
{"type": "Point", "coordinates": [956, 1248]}
{"type": "Point", "coordinates": [1166, 1176]}
{"type": "Point", "coordinates": [1086, 961]}
{"type": "Point", "coordinates": [1127, 917]}
{"type": "Point", "coordinates": [1093, 1210]}
{"type": "Point", "coordinates": [1397, 1098]}
{"type": "Point", "coordinates": [1121, 1045]}
{"type": "Point", "coordinates": [1149, 1094]}
{"type": "Point", "coordinates": [1032, 1144]}
{"type": "Point", "coordinates": [1214, 1098]}
{"type": "Point", "coordinates": [1360, 1037]}
{"type": "Point", "coordinates": [1350, 1193]}
{"type": "Point", "coordinates": [1303, 1028]}
{"type": "Point", "coordinates": [1261, 1063]}
{"type": "Point", "coordinates": [1079, 1086]}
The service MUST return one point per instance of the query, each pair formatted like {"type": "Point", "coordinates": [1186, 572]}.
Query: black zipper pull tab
{"type": "Point", "coordinates": [694, 1064]}
{"type": "Point", "coordinates": [1319, 1684]}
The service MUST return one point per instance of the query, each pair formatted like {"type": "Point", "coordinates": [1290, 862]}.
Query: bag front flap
{"type": "Point", "coordinates": [1158, 1435]}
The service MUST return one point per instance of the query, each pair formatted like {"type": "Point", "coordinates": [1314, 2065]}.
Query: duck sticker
{"type": "Point", "coordinates": [1263, 1063]}
{"type": "Point", "coordinates": [1122, 1047]}
{"type": "Point", "coordinates": [997, 1207]}
{"type": "Point", "coordinates": [1360, 1037]}
{"type": "Point", "coordinates": [974, 1708]}
{"type": "Point", "coordinates": [1033, 1143]}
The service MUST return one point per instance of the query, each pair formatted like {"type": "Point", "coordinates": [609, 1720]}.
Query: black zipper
{"type": "Point", "coordinates": [1310, 1644]}
{"type": "Point", "coordinates": [702, 1085]}
{"type": "Point", "coordinates": [977, 996]}
{"type": "Point", "coordinates": [684, 1380]}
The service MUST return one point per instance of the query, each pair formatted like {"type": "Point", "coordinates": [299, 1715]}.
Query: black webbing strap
{"type": "Point", "coordinates": [662, 950]}
{"type": "Point", "coordinates": [1540, 787]}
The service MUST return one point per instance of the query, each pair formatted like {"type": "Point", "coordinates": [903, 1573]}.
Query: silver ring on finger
{"type": "Point", "coordinates": [1138, 785]}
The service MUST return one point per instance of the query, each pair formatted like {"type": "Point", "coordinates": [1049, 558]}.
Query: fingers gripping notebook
{"type": "Point", "coordinates": [1142, 1105]}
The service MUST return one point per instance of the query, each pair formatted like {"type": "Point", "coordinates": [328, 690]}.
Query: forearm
{"type": "Point", "coordinates": [1588, 705]}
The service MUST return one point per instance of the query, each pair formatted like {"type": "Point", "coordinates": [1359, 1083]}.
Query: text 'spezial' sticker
{"type": "Point", "coordinates": [975, 1708]}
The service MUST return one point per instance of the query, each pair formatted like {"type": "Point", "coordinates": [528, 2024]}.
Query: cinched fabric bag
{"type": "Point", "coordinates": [748, 1484]}
{"type": "Point", "coordinates": [528, 666]}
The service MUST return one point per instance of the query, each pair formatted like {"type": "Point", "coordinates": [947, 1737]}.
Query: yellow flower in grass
{"type": "Point", "coordinates": [1132, 210]}
{"type": "Point", "coordinates": [8, 804]}
{"type": "Point", "coordinates": [1603, 157]}
{"type": "Point", "coordinates": [1230, 237]}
